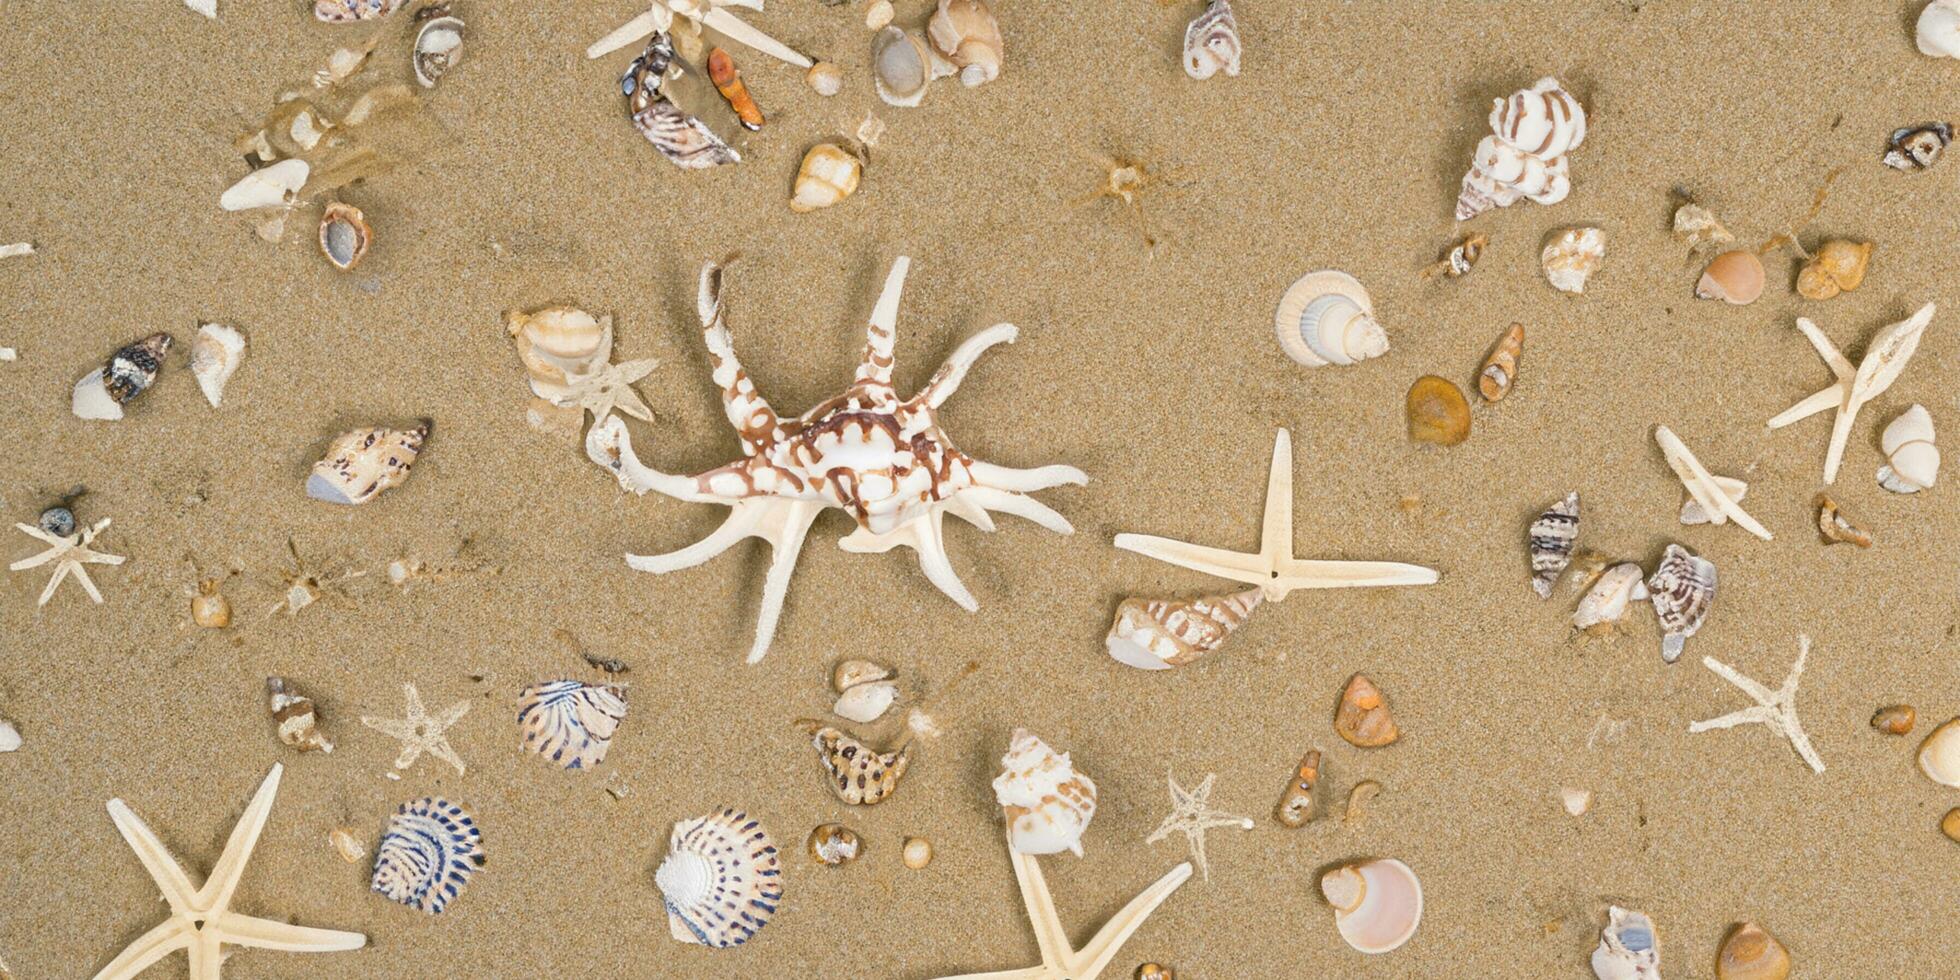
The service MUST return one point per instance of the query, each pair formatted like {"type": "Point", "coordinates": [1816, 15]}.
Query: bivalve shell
{"type": "Point", "coordinates": [431, 849]}
{"type": "Point", "coordinates": [721, 880]}
{"type": "Point", "coordinates": [344, 235]}
{"type": "Point", "coordinates": [1734, 277]}
{"type": "Point", "coordinates": [568, 723]}
{"type": "Point", "coordinates": [1937, 33]}
{"type": "Point", "coordinates": [1438, 413]}
{"type": "Point", "coordinates": [867, 702]}
{"type": "Point", "coordinates": [1751, 953]}
{"type": "Point", "coordinates": [1377, 904]}
{"type": "Point", "coordinates": [1939, 755]}
{"type": "Point", "coordinates": [901, 67]}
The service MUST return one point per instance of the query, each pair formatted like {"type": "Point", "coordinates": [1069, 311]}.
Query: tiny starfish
{"type": "Point", "coordinates": [201, 921]}
{"type": "Point", "coordinates": [1191, 815]}
{"type": "Point", "coordinates": [420, 731]}
{"type": "Point", "coordinates": [1273, 567]}
{"type": "Point", "coordinates": [698, 14]}
{"type": "Point", "coordinates": [70, 554]}
{"type": "Point", "coordinates": [1058, 961]}
{"type": "Point", "coordinates": [1777, 709]}
{"type": "Point", "coordinates": [611, 388]}
{"type": "Point", "coordinates": [1885, 357]}
{"type": "Point", "coordinates": [1715, 495]}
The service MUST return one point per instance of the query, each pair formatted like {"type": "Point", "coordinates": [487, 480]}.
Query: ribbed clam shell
{"type": "Point", "coordinates": [859, 774]}
{"type": "Point", "coordinates": [360, 464]}
{"type": "Point", "coordinates": [428, 854]}
{"type": "Point", "coordinates": [1327, 318]}
{"type": "Point", "coordinates": [721, 880]}
{"type": "Point", "coordinates": [349, 11]}
{"type": "Point", "coordinates": [1212, 42]}
{"type": "Point", "coordinates": [438, 46]}
{"type": "Point", "coordinates": [1158, 634]}
{"type": "Point", "coordinates": [1550, 540]}
{"type": "Point", "coordinates": [1683, 589]}
{"type": "Point", "coordinates": [570, 723]}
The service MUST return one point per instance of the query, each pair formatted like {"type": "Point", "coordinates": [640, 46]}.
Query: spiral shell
{"type": "Point", "coordinates": [685, 141]}
{"type": "Point", "coordinates": [1046, 802]}
{"type": "Point", "coordinates": [1211, 43]}
{"type": "Point", "coordinates": [1682, 589]}
{"type": "Point", "coordinates": [427, 855]}
{"type": "Point", "coordinates": [1525, 155]}
{"type": "Point", "coordinates": [721, 880]}
{"type": "Point", "coordinates": [1912, 460]}
{"type": "Point", "coordinates": [859, 774]}
{"type": "Point", "coordinates": [1550, 542]}
{"type": "Point", "coordinates": [1500, 370]}
{"type": "Point", "coordinates": [557, 343]}
{"type": "Point", "coordinates": [1937, 33]}
{"type": "Point", "coordinates": [829, 173]}
{"type": "Point", "coordinates": [965, 33]}
{"type": "Point", "coordinates": [1158, 634]}
{"type": "Point", "coordinates": [359, 465]}
{"type": "Point", "coordinates": [1327, 318]}
{"type": "Point", "coordinates": [570, 723]}
{"type": "Point", "coordinates": [1377, 904]}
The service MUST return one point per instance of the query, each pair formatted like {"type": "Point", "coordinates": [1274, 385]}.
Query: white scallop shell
{"type": "Point", "coordinates": [1158, 634]}
{"type": "Point", "coordinates": [721, 880]}
{"type": "Point", "coordinates": [1047, 803]}
{"type": "Point", "coordinates": [1327, 318]}
{"type": "Point", "coordinates": [1682, 589]}
{"type": "Point", "coordinates": [1531, 132]}
{"type": "Point", "coordinates": [1912, 460]}
{"type": "Point", "coordinates": [1377, 904]}
{"type": "Point", "coordinates": [215, 353]}
{"type": "Point", "coordinates": [1605, 605]}
{"type": "Point", "coordinates": [1212, 42]}
{"type": "Point", "coordinates": [1629, 948]}
{"type": "Point", "coordinates": [1938, 30]}
{"type": "Point", "coordinates": [570, 723]}
{"type": "Point", "coordinates": [428, 854]}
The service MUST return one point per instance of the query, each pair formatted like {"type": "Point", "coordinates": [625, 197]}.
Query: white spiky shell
{"type": "Point", "coordinates": [215, 353]}
{"type": "Point", "coordinates": [1682, 589]}
{"type": "Point", "coordinates": [1047, 803]}
{"type": "Point", "coordinates": [1525, 155]}
{"type": "Point", "coordinates": [1938, 31]}
{"type": "Point", "coordinates": [1912, 461]}
{"type": "Point", "coordinates": [430, 850]}
{"type": "Point", "coordinates": [1327, 318]}
{"type": "Point", "coordinates": [721, 880]}
{"type": "Point", "coordinates": [1629, 948]}
{"type": "Point", "coordinates": [570, 723]}
{"type": "Point", "coordinates": [1605, 604]}
{"type": "Point", "coordinates": [1377, 904]}
{"type": "Point", "coordinates": [1158, 634]}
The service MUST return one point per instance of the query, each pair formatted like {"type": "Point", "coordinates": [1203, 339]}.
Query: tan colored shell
{"type": "Point", "coordinates": [1895, 719]}
{"type": "Point", "coordinates": [833, 844]}
{"type": "Point", "coordinates": [344, 235]}
{"type": "Point", "coordinates": [438, 45]}
{"type": "Point", "coordinates": [1734, 277]}
{"type": "Point", "coordinates": [1458, 261]}
{"type": "Point", "coordinates": [1158, 634]}
{"type": "Point", "coordinates": [1838, 266]}
{"type": "Point", "coordinates": [359, 465]}
{"type": "Point", "coordinates": [1500, 370]}
{"type": "Point", "coordinates": [1437, 411]}
{"type": "Point", "coordinates": [851, 673]}
{"type": "Point", "coordinates": [965, 33]}
{"type": "Point", "coordinates": [1550, 541]}
{"type": "Point", "coordinates": [209, 607]}
{"type": "Point", "coordinates": [1296, 802]}
{"type": "Point", "coordinates": [859, 774]}
{"type": "Point", "coordinates": [917, 853]}
{"type": "Point", "coordinates": [1571, 257]}
{"type": "Point", "coordinates": [554, 342]}
{"type": "Point", "coordinates": [829, 173]}
{"type": "Point", "coordinates": [1835, 528]}
{"type": "Point", "coordinates": [293, 714]}
{"type": "Point", "coordinates": [1750, 953]}
{"type": "Point", "coordinates": [1939, 755]}
{"type": "Point", "coordinates": [1362, 718]}
{"type": "Point", "coordinates": [345, 844]}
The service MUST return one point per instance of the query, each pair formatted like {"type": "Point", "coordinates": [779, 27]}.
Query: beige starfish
{"type": "Point", "coordinates": [69, 554]}
{"type": "Point", "coordinates": [420, 731]}
{"type": "Point", "coordinates": [1273, 567]}
{"type": "Point", "coordinates": [1716, 496]}
{"type": "Point", "coordinates": [697, 14]}
{"type": "Point", "coordinates": [1777, 709]}
{"type": "Point", "coordinates": [201, 921]}
{"type": "Point", "coordinates": [1191, 815]}
{"type": "Point", "coordinates": [1058, 960]}
{"type": "Point", "coordinates": [1885, 357]}
{"type": "Point", "coordinates": [611, 388]}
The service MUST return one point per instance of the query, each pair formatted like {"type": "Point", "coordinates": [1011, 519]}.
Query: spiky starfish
{"type": "Point", "coordinates": [420, 731]}
{"type": "Point", "coordinates": [1884, 359]}
{"type": "Point", "coordinates": [1777, 709]}
{"type": "Point", "coordinates": [69, 554]}
{"type": "Point", "coordinates": [610, 389]}
{"type": "Point", "coordinates": [882, 459]}
{"type": "Point", "coordinates": [697, 14]}
{"type": "Point", "coordinates": [201, 921]}
{"type": "Point", "coordinates": [1191, 815]}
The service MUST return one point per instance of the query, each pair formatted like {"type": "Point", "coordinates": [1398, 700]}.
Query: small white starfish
{"type": "Point", "coordinates": [1273, 567]}
{"type": "Point", "coordinates": [1058, 960]}
{"type": "Point", "coordinates": [1777, 709]}
{"type": "Point", "coordinates": [699, 14]}
{"type": "Point", "coordinates": [1884, 359]}
{"type": "Point", "coordinates": [1191, 815]}
{"type": "Point", "coordinates": [70, 554]}
{"type": "Point", "coordinates": [611, 388]}
{"type": "Point", "coordinates": [1715, 495]}
{"type": "Point", "coordinates": [420, 731]}
{"type": "Point", "coordinates": [201, 921]}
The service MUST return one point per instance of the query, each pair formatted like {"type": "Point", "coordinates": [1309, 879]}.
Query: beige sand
{"type": "Point", "coordinates": [1341, 145]}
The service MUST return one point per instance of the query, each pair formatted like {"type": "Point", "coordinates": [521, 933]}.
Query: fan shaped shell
{"type": "Point", "coordinates": [427, 855]}
{"type": "Point", "coordinates": [1682, 589]}
{"type": "Point", "coordinates": [570, 723]}
{"type": "Point", "coordinates": [721, 880]}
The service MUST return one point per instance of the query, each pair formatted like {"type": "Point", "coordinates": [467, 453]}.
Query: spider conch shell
{"type": "Point", "coordinates": [1682, 589]}
{"type": "Point", "coordinates": [1938, 30]}
{"type": "Point", "coordinates": [1158, 634]}
{"type": "Point", "coordinates": [556, 343]}
{"type": "Point", "coordinates": [1327, 318]}
{"type": "Point", "coordinates": [965, 33]}
{"type": "Point", "coordinates": [1531, 132]}
{"type": "Point", "coordinates": [1912, 461]}
{"type": "Point", "coordinates": [1606, 604]}
{"type": "Point", "coordinates": [215, 353]}
{"type": "Point", "coordinates": [1628, 948]}
{"type": "Point", "coordinates": [362, 463]}
{"type": "Point", "coordinates": [1377, 904]}
{"type": "Point", "coordinates": [1047, 803]}
{"type": "Point", "coordinates": [1212, 42]}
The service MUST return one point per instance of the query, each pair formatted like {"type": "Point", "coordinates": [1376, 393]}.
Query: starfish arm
{"type": "Point", "coordinates": [1839, 365]}
{"type": "Point", "coordinates": [1111, 937]}
{"type": "Point", "coordinates": [746, 409]}
{"type": "Point", "coordinates": [727, 24]}
{"type": "Point", "coordinates": [657, 18]}
{"type": "Point", "coordinates": [396, 728]}
{"type": "Point", "coordinates": [875, 368]}
{"type": "Point", "coordinates": [54, 582]}
{"type": "Point", "coordinates": [88, 584]}
{"type": "Point", "coordinates": [1311, 573]}
{"type": "Point", "coordinates": [1802, 743]}
{"type": "Point", "coordinates": [207, 958]}
{"type": "Point", "coordinates": [1008, 502]}
{"type": "Point", "coordinates": [1042, 917]}
{"type": "Point", "coordinates": [35, 561]}
{"type": "Point", "coordinates": [1039, 478]}
{"type": "Point", "coordinates": [245, 930]}
{"type": "Point", "coordinates": [1276, 534]}
{"type": "Point", "coordinates": [441, 749]}
{"type": "Point", "coordinates": [1700, 482]}
{"type": "Point", "coordinates": [1822, 401]}
{"type": "Point", "coordinates": [788, 521]}
{"type": "Point", "coordinates": [1756, 692]}
{"type": "Point", "coordinates": [40, 535]}
{"type": "Point", "coordinates": [1840, 435]}
{"type": "Point", "coordinates": [608, 445]}
{"type": "Point", "coordinates": [453, 714]}
{"type": "Point", "coordinates": [411, 751]}
{"type": "Point", "coordinates": [169, 936]}
{"type": "Point", "coordinates": [1235, 565]}
{"type": "Point", "coordinates": [947, 379]}
{"type": "Point", "coordinates": [223, 880]}
{"type": "Point", "coordinates": [1754, 715]}
{"type": "Point", "coordinates": [169, 876]}
{"type": "Point", "coordinates": [1029, 973]}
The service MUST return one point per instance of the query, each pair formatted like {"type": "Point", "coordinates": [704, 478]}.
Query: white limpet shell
{"type": "Point", "coordinates": [901, 67]}
{"type": "Point", "coordinates": [1606, 604]}
{"type": "Point", "coordinates": [1047, 803]}
{"type": "Point", "coordinates": [1525, 155]}
{"type": "Point", "coordinates": [1938, 30]}
{"type": "Point", "coordinates": [1912, 460]}
{"type": "Point", "coordinates": [1571, 257]}
{"type": "Point", "coordinates": [1628, 948]}
{"type": "Point", "coordinates": [1691, 509]}
{"type": "Point", "coordinates": [1576, 801]}
{"type": "Point", "coordinates": [556, 343]}
{"type": "Point", "coordinates": [215, 353]}
{"type": "Point", "coordinates": [867, 702]}
{"type": "Point", "coordinates": [275, 186]}
{"type": "Point", "coordinates": [1327, 318]}
{"type": "Point", "coordinates": [1939, 756]}
{"type": "Point", "coordinates": [1211, 43]}
{"type": "Point", "coordinates": [1377, 904]}
{"type": "Point", "coordinates": [16, 249]}
{"type": "Point", "coordinates": [1158, 634]}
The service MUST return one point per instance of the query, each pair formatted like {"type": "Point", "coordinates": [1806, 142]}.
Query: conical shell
{"type": "Point", "coordinates": [1550, 543]}
{"type": "Point", "coordinates": [829, 174]}
{"type": "Point", "coordinates": [1751, 953]}
{"type": "Point", "coordinates": [428, 854]}
{"type": "Point", "coordinates": [1605, 605]}
{"type": "Point", "coordinates": [1377, 904]}
{"type": "Point", "coordinates": [344, 235]}
{"type": "Point", "coordinates": [1046, 802]}
{"type": "Point", "coordinates": [1682, 589]}
{"type": "Point", "coordinates": [129, 372]}
{"type": "Point", "coordinates": [1211, 42]}
{"type": "Point", "coordinates": [559, 342]}
{"type": "Point", "coordinates": [360, 464]}
{"type": "Point", "coordinates": [1362, 718]}
{"type": "Point", "coordinates": [965, 33]}
{"type": "Point", "coordinates": [1531, 132]}
{"type": "Point", "coordinates": [1500, 370]}
{"type": "Point", "coordinates": [1912, 460]}
{"type": "Point", "coordinates": [721, 880]}
{"type": "Point", "coordinates": [569, 723]}
{"type": "Point", "coordinates": [901, 67]}
{"type": "Point", "coordinates": [295, 717]}
{"type": "Point", "coordinates": [1628, 949]}
{"type": "Point", "coordinates": [1327, 318]}
{"type": "Point", "coordinates": [1158, 634]}
{"type": "Point", "coordinates": [859, 774]}
{"type": "Point", "coordinates": [1939, 755]}
{"type": "Point", "coordinates": [215, 353]}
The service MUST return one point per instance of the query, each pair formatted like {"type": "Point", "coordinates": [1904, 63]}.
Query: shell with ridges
{"type": "Point", "coordinates": [721, 880]}
{"type": "Point", "coordinates": [1550, 543]}
{"type": "Point", "coordinates": [438, 45]}
{"type": "Point", "coordinates": [1500, 370]}
{"type": "Point", "coordinates": [1377, 904]}
{"type": "Point", "coordinates": [1525, 155]}
{"type": "Point", "coordinates": [570, 723]}
{"type": "Point", "coordinates": [1047, 803]}
{"type": "Point", "coordinates": [685, 141]}
{"type": "Point", "coordinates": [215, 353]}
{"type": "Point", "coordinates": [351, 11]}
{"type": "Point", "coordinates": [101, 393]}
{"type": "Point", "coordinates": [1912, 460]}
{"type": "Point", "coordinates": [859, 774]}
{"type": "Point", "coordinates": [1211, 42]}
{"type": "Point", "coordinates": [556, 343]}
{"type": "Point", "coordinates": [430, 850]}
{"type": "Point", "coordinates": [1158, 634]}
{"type": "Point", "coordinates": [1682, 589]}
{"type": "Point", "coordinates": [1327, 318]}
{"type": "Point", "coordinates": [360, 464]}
{"type": "Point", "coordinates": [965, 33]}
{"type": "Point", "coordinates": [829, 173]}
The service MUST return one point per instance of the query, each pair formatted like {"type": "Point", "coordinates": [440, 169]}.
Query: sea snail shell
{"type": "Point", "coordinates": [1377, 904]}
{"type": "Point", "coordinates": [1912, 461]}
{"type": "Point", "coordinates": [965, 33]}
{"type": "Point", "coordinates": [1327, 318]}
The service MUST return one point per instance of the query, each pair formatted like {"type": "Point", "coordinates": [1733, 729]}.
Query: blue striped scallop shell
{"type": "Point", "coordinates": [431, 849]}
{"type": "Point", "coordinates": [570, 723]}
{"type": "Point", "coordinates": [721, 880]}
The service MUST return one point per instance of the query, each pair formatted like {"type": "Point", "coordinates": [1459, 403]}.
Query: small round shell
{"type": "Point", "coordinates": [867, 702]}
{"type": "Point", "coordinates": [58, 521]}
{"type": "Point", "coordinates": [1327, 318]}
{"type": "Point", "coordinates": [1735, 278]}
{"type": "Point", "coordinates": [851, 673]}
{"type": "Point", "coordinates": [833, 844]}
{"type": "Point", "coordinates": [825, 78]}
{"type": "Point", "coordinates": [1838, 266]}
{"type": "Point", "coordinates": [438, 46]}
{"type": "Point", "coordinates": [344, 235]}
{"type": "Point", "coordinates": [1751, 953]}
{"type": "Point", "coordinates": [917, 853]}
{"type": "Point", "coordinates": [1437, 411]}
{"type": "Point", "coordinates": [1939, 755]}
{"type": "Point", "coordinates": [295, 717]}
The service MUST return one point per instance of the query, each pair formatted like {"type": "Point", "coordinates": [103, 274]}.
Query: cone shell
{"type": "Point", "coordinates": [901, 67]}
{"type": "Point", "coordinates": [1327, 318]}
{"type": "Point", "coordinates": [1046, 802]}
{"type": "Point", "coordinates": [215, 353]}
{"type": "Point", "coordinates": [1605, 605]}
{"type": "Point", "coordinates": [965, 33]}
{"type": "Point", "coordinates": [859, 775]}
{"type": "Point", "coordinates": [344, 235]}
{"type": "Point", "coordinates": [360, 464]}
{"type": "Point", "coordinates": [558, 342]}
{"type": "Point", "coordinates": [1377, 904]}
{"type": "Point", "coordinates": [431, 849]}
{"type": "Point", "coordinates": [1939, 755]}
{"type": "Point", "coordinates": [294, 716]}
{"type": "Point", "coordinates": [1682, 589]}
{"type": "Point", "coordinates": [129, 372]}
{"type": "Point", "coordinates": [569, 723]}
{"type": "Point", "coordinates": [721, 880]}
{"type": "Point", "coordinates": [1628, 949]}
{"type": "Point", "coordinates": [1750, 953]}
{"type": "Point", "coordinates": [1550, 542]}
{"type": "Point", "coordinates": [1296, 802]}
{"type": "Point", "coordinates": [1438, 413]}
{"type": "Point", "coordinates": [1211, 42]}
{"type": "Point", "coordinates": [1158, 634]}
{"type": "Point", "coordinates": [829, 174]}
{"type": "Point", "coordinates": [1912, 460]}
{"type": "Point", "coordinates": [1500, 370]}
{"type": "Point", "coordinates": [1362, 718]}
{"type": "Point", "coordinates": [1838, 266]}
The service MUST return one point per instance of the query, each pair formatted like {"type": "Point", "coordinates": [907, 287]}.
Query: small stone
{"type": "Point", "coordinates": [1950, 825]}
{"type": "Point", "coordinates": [878, 15]}
{"type": "Point", "coordinates": [1362, 718]}
{"type": "Point", "coordinates": [1155, 971]}
{"type": "Point", "coordinates": [918, 852]}
{"type": "Point", "coordinates": [1895, 719]}
{"type": "Point", "coordinates": [346, 845]}
{"type": "Point", "coordinates": [1438, 412]}
{"type": "Point", "coordinates": [1735, 278]}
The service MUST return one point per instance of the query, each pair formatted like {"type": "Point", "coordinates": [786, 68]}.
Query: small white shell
{"type": "Point", "coordinates": [1682, 589]}
{"type": "Point", "coordinates": [215, 353]}
{"type": "Point", "coordinates": [267, 187]}
{"type": "Point", "coordinates": [1629, 949]}
{"type": "Point", "coordinates": [1047, 803]}
{"type": "Point", "coordinates": [1691, 512]}
{"type": "Point", "coordinates": [866, 703]}
{"type": "Point", "coordinates": [1576, 801]}
{"type": "Point", "coordinates": [1327, 318]}
{"type": "Point", "coordinates": [438, 47]}
{"type": "Point", "coordinates": [1939, 756]}
{"type": "Point", "coordinates": [1212, 42]}
{"type": "Point", "coordinates": [1158, 634]}
{"type": "Point", "coordinates": [721, 879]}
{"type": "Point", "coordinates": [829, 174]}
{"type": "Point", "coordinates": [1571, 257]}
{"type": "Point", "coordinates": [901, 67]}
{"type": "Point", "coordinates": [9, 737]}
{"type": "Point", "coordinates": [1606, 604]}
{"type": "Point", "coordinates": [1938, 30]}
{"type": "Point", "coordinates": [1912, 460]}
{"type": "Point", "coordinates": [1377, 904]}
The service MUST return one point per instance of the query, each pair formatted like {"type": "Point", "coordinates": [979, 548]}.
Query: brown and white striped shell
{"type": "Point", "coordinates": [1525, 155]}
{"type": "Point", "coordinates": [1047, 803]}
{"type": "Point", "coordinates": [1158, 634]}
{"type": "Point", "coordinates": [1683, 589]}
{"type": "Point", "coordinates": [859, 774]}
{"type": "Point", "coordinates": [352, 11]}
{"type": "Point", "coordinates": [1550, 540]}
{"type": "Point", "coordinates": [1500, 370]}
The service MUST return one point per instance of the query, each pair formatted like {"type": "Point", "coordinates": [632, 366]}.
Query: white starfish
{"type": "Point", "coordinates": [1716, 496]}
{"type": "Point", "coordinates": [611, 388]}
{"type": "Point", "coordinates": [699, 13]}
{"type": "Point", "coordinates": [420, 731]}
{"type": "Point", "coordinates": [1885, 357]}
{"type": "Point", "coordinates": [1191, 815]}
{"type": "Point", "coordinates": [201, 921]}
{"type": "Point", "coordinates": [69, 554]}
{"type": "Point", "coordinates": [1273, 567]}
{"type": "Point", "coordinates": [1058, 960]}
{"type": "Point", "coordinates": [1777, 709]}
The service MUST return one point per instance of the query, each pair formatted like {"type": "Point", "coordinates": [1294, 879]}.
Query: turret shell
{"type": "Point", "coordinates": [1158, 634]}
{"type": "Point", "coordinates": [1550, 541]}
{"type": "Point", "coordinates": [1525, 155]}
